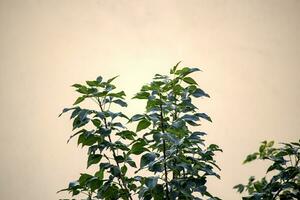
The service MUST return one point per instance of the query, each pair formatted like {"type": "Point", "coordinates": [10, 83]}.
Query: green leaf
{"type": "Point", "coordinates": [136, 117]}
{"type": "Point", "coordinates": [147, 158]}
{"type": "Point", "coordinates": [173, 70]}
{"type": "Point", "coordinates": [123, 169]}
{"type": "Point", "coordinates": [142, 95]}
{"type": "Point", "coordinates": [250, 157]}
{"type": "Point", "coordinates": [188, 117]}
{"type": "Point", "coordinates": [93, 159]}
{"type": "Point", "coordinates": [127, 134]}
{"type": "Point", "coordinates": [96, 122]}
{"type": "Point", "coordinates": [239, 188]}
{"type": "Point", "coordinates": [79, 100]}
{"type": "Point", "coordinates": [118, 95]}
{"type": "Point", "coordinates": [151, 182]}
{"type": "Point", "coordinates": [87, 139]}
{"type": "Point", "coordinates": [111, 79]}
{"type": "Point", "coordinates": [156, 167]}
{"type": "Point", "coordinates": [189, 80]}
{"type": "Point", "coordinates": [92, 83]}
{"type": "Point", "coordinates": [100, 94]}
{"type": "Point", "coordinates": [122, 146]}
{"type": "Point", "coordinates": [143, 124]}
{"type": "Point", "coordinates": [120, 102]}
{"type": "Point", "coordinates": [119, 159]}
{"type": "Point", "coordinates": [115, 170]}
{"type": "Point", "coordinates": [78, 132]}
{"type": "Point", "coordinates": [131, 163]}
{"type": "Point", "coordinates": [199, 93]}
{"type": "Point", "coordinates": [100, 174]}
{"type": "Point", "coordinates": [185, 71]}
{"type": "Point", "coordinates": [104, 132]}
{"type": "Point", "coordinates": [138, 147]}
{"type": "Point", "coordinates": [94, 183]}
{"type": "Point", "coordinates": [83, 179]}
{"type": "Point", "coordinates": [66, 110]}
{"type": "Point", "coordinates": [204, 116]}
{"type": "Point", "coordinates": [76, 85]}
{"type": "Point", "coordinates": [99, 79]}
{"type": "Point", "coordinates": [270, 144]}
{"type": "Point", "coordinates": [80, 121]}
{"type": "Point", "coordinates": [83, 90]}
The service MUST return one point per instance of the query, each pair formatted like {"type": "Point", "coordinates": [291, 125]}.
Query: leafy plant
{"type": "Point", "coordinates": [285, 170]}
{"type": "Point", "coordinates": [174, 152]}
{"type": "Point", "coordinates": [170, 147]}
{"type": "Point", "coordinates": [103, 132]}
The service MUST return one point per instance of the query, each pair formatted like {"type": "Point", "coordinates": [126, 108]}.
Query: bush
{"type": "Point", "coordinates": [168, 148]}
{"type": "Point", "coordinates": [285, 183]}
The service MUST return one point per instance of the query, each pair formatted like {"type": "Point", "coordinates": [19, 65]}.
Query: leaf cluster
{"type": "Point", "coordinates": [167, 140]}
{"type": "Point", "coordinates": [110, 181]}
{"type": "Point", "coordinates": [284, 169]}
{"type": "Point", "coordinates": [176, 154]}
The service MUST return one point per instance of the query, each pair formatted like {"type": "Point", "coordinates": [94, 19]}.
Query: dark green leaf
{"type": "Point", "coordinates": [251, 157]}
{"type": "Point", "coordinates": [120, 102]}
{"type": "Point", "coordinates": [141, 95]}
{"type": "Point", "coordinates": [186, 70]}
{"type": "Point", "coordinates": [123, 169]}
{"type": "Point", "coordinates": [138, 148]}
{"type": "Point", "coordinates": [199, 93]}
{"type": "Point", "coordinates": [204, 116]}
{"type": "Point", "coordinates": [92, 83]}
{"type": "Point", "coordinates": [111, 79]}
{"type": "Point", "coordinates": [136, 117]}
{"type": "Point", "coordinates": [147, 158]}
{"type": "Point", "coordinates": [93, 159]}
{"type": "Point", "coordinates": [77, 85]}
{"type": "Point", "coordinates": [189, 80]}
{"type": "Point", "coordinates": [119, 159]}
{"type": "Point", "coordinates": [83, 179]}
{"type": "Point", "coordinates": [79, 100]}
{"type": "Point", "coordinates": [239, 188]}
{"type": "Point", "coordinates": [87, 139]}
{"type": "Point", "coordinates": [131, 163]}
{"type": "Point", "coordinates": [96, 122]}
{"type": "Point", "coordinates": [127, 135]}
{"type": "Point", "coordinates": [100, 174]}
{"type": "Point", "coordinates": [143, 124]}
{"type": "Point", "coordinates": [115, 170]}
{"type": "Point", "coordinates": [66, 110]}
{"type": "Point", "coordinates": [99, 79]}
{"type": "Point", "coordinates": [173, 70]}
{"type": "Point", "coordinates": [151, 182]}
{"type": "Point", "coordinates": [118, 95]}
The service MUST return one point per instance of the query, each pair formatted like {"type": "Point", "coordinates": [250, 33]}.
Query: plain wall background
{"type": "Point", "coordinates": [249, 52]}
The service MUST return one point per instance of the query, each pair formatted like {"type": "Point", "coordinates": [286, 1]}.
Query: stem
{"type": "Point", "coordinates": [174, 119]}
{"type": "Point", "coordinates": [90, 195]}
{"type": "Point", "coordinates": [114, 154]}
{"type": "Point", "coordinates": [164, 152]}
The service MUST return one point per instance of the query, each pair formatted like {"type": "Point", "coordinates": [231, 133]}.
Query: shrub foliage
{"type": "Point", "coordinates": [166, 139]}
{"type": "Point", "coordinates": [284, 171]}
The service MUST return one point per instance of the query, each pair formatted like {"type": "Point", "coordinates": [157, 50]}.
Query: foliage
{"type": "Point", "coordinates": [170, 149]}
{"type": "Point", "coordinates": [285, 170]}
{"type": "Point", "coordinates": [96, 130]}
{"type": "Point", "coordinates": [166, 140]}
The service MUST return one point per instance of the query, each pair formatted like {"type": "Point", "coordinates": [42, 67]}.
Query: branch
{"type": "Point", "coordinates": [114, 154]}
{"type": "Point", "coordinates": [164, 151]}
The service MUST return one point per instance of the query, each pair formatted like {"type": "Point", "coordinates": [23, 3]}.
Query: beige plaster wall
{"type": "Point", "coordinates": [249, 51]}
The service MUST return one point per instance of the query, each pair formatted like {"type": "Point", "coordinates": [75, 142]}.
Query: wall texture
{"type": "Point", "coordinates": [249, 52]}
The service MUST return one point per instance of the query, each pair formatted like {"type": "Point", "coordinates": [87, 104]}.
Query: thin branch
{"type": "Point", "coordinates": [164, 151]}
{"type": "Point", "coordinates": [114, 153]}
